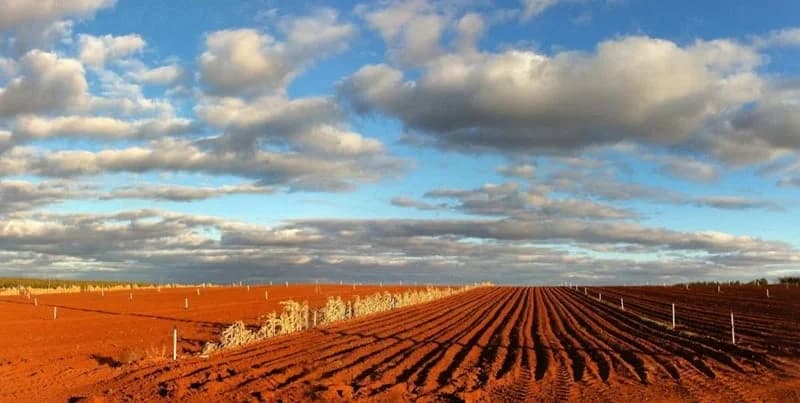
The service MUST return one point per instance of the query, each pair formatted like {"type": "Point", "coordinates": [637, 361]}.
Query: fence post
{"type": "Point", "coordinates": [186, 303]}
{"type": "Point", "coordinates": [767, 292]}
{"type": "Point", "coordinates": [315, 318]}
{"type": "Point", "coordinates": [733, 330]}
{"type": "Point", "coordinates": [622, 303]}
{"type": "Point", "coordinates": [673, 316]}
{"type": "Point", "coordinates": [198, 291]}
{"type": "Point", "coordinates": [174, 343]}
{"type": "Point", "coordinates": [600, 296]}
{"type": "Point", "coordinates": [35, 301]}
{"type": "Point", "coordinates": [266, 295]}
{"type": "Point", "coordinates": [130, 296]}
{"type": "Point", "coordinates": [584, 290]}
{"type": "Point", "coordinates": [55, 313]}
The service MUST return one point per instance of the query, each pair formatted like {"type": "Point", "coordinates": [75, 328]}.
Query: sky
{"type": "Point", "coordinates": [519, 141]}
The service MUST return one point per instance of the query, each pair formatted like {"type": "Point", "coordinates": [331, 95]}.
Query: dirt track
{"type": "Point", "coordinates": [499, 344]}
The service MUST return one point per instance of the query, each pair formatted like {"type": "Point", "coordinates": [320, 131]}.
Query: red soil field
{"type": "Point", "coordinates": [94, 336]}
{"type": "Point", "coordinates": [506, 344]}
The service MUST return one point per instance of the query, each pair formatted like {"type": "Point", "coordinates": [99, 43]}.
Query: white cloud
{"type": "Point", "coordinates": [46, 83]}
{"type": "Point", "coordinates": [162, 75]}
{"type": "Point", "coordinates": [522, 101]}
{"type": "Point", "coordinates": [246, 61]}
{"type": "Point", "coordinates": [16, 13]}
{"type": "Point", "coordinates": [97, 50]}
{"type": "Point", "coordinates": [526, 171]}
{"type": "Point", "coordinates": [33, 127]}
{"type": "Point", "coordinates": [532, 8]}
{"type": "Point", "coordinates": [787, 37]}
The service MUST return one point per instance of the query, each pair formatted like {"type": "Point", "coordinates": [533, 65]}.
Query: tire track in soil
{"type": "Point", "coordinates": [490, 343]}
{"type": "Point", "coordinates": [556, 383]}
{"type": "Point", "coordinates": [514, 381]}
{"type": "Point", "coordinates": [422, 367]}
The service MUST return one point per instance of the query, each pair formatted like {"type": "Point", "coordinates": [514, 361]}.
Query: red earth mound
{"type": "Point", "coordinates": [502, 344]}
{"type": "Point", "coordinates": [96, 337]}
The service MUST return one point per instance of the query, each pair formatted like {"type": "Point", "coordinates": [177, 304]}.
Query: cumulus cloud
{"type": "Point", "coordinates": [140, 242]}
{"type": "Point", "coordinates": [46, 83]}
{"type": "Point", "coordinates": [17, 13]}
{"type": "Point", "coordinates": [97, 127]}
{"type": "Point", "coordinates": [313, 126]}
{"type": "Point", "coordinates": [509, 200]}
{"type": "Point", "coordinates": [183, 193]}
{"type": "Point", "coordinates": [689, 169]}
{"type": "Point", "coordinates": [97, 50]}
{"type": "Point", "coordinates": [246, 61]}
{"type": "Point", "coordinates": [526, 171]}
{"type": "Point", "coordinates": [532, 8]}
{"type": "Point", "coordinates": [404, 201]}
{"type": "Point", "coordinates": [293, 171]}
{"type": "Point", "coordinates": [162, 75]}
{"type": "Point", "coordinates": [787, 37]}
{"type": "Point", "coordinates": [522, 101]}
{"type": "Point", "coordinates": [17, 195]}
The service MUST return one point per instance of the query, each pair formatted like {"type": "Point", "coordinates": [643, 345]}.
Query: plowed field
{"type": "Point", "coordinates": [94, 336]}
{"type": "Point", "coordinates": [509, 344]}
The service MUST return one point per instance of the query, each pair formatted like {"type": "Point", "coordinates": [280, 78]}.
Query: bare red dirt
{"type": "Point", "coordinates": [504, 344]}
{"type": "Point", "coordinates": [96, 337]}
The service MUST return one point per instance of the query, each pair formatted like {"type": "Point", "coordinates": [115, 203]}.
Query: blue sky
{"type": "Point", "coordinates": [531, 141]}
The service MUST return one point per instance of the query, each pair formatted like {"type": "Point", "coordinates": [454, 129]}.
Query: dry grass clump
{"type": "Point", "coordinates": [295, 316]}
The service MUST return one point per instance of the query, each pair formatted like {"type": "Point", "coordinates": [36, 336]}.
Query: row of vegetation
{"type": "Point", "coordinates": [757, 282]}
{"type": "Point", "coordinates": [17, 282]}
{"type": "Point", "coordinates": [298, 316]}
{"type": "Point", "coordinates": [789, 280]}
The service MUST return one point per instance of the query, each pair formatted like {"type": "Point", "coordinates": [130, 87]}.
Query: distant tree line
{"type": "Point", "coordinates": [759, 282]}
{"type": "Point", "coordinates": [11, 282]}
{"type": "Point", "coordinates": [789, 280]}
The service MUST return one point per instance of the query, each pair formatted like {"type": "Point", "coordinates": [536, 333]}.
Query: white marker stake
{"type": "Point", "coordinates": [266, 295]}
{"type": "Point", "coordinates": [673, 316]}
{"type": "Point", "coordinates": [584, 290]}
{"type": "Point", "coordinates": [130, 296]}
{"type": "Point", "coordinates": [198, 291]}
{"type": "Point", "coordinates": [767, 292]}
{"type": "Point", "coordinates": [186, 303]}
{"type": "Point", "coordinates": [717, 288]}
{"type": "Point", "coordinates": [733, 331]}
{"type": "Point", "coordinates": [174, 343]}
{"type": "Point", "coordinates": [622, 303]}
{"type": "Point", "coordinates": [55, 313]}
{"type": "Point", "coordinates": [248, 288]}
{"type": "Point", "coordinates": [600, 297]}
{"type": "Point", "coordinates": [36, 302]}
{"type": "Point", "coordinates": [315, 318]}
{"type": "Point", "coordinates": [102, 292]}
{"type": "Point", "coordinates": [287, 284]}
